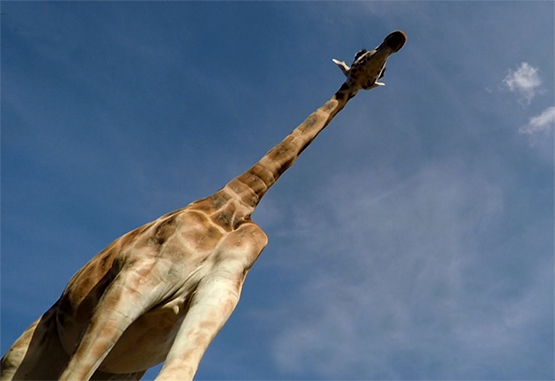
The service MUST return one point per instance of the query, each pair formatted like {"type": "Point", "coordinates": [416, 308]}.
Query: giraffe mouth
{"type": "Point", "coordinates": [395, 40]}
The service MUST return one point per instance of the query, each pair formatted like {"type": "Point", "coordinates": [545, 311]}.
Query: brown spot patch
{"type": "Point", "coordinates": [260, 173]}
{"type": "Point", "coordinates": [202, 233]}
{"type": "Point", "coordinates": [223, 218]}
{"type": "Point", "coordinates": [204, 205]}
{"type": "Point", "coordinates": [310, 122]}
{"type": "Point", "coordinates": [208, 325]}
{"type": "Point", "coordinates": [166, 229]}
{"type": "Point", "coordinates": [329, 107]}
{"type": "Point", "coordinates": [129, 237]}
{"type": "Point", "coordinates": [288, 162]}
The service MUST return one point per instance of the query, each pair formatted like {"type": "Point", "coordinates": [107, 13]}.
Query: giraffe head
{"type": "Point", "coordinates": [369, 65]}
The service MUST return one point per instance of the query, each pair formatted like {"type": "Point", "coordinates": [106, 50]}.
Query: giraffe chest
{"type": "Point", "coordinates": [145, 343]}
{"type": "Point", "coordinates": [148, 340]}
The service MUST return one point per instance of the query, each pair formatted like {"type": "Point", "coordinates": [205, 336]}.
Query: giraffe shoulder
{"type": "Point", "coordinates": [241, 247]}
{"type": "Point", "coordinates": [255, 233]}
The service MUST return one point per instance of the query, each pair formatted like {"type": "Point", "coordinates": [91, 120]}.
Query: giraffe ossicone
{"type": "Point", "coordinates": [161, 292]}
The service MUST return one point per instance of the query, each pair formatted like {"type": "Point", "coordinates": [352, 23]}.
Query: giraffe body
{"type": "Point", "coordinates": [163, 291]}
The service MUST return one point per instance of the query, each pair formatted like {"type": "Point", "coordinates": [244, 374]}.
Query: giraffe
{"type": "Point", "coordinates": [162, 292]}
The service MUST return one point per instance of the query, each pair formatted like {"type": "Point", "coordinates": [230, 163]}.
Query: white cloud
{"type": "Point", "coordinates": [525, 81]}
{"type": "Point", "coordinates": [542, 122]}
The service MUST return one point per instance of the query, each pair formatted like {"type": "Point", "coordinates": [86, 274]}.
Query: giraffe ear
{"type": "Point", "coordinates": [343, 66]}
{"type": "Point", "coordinates": [369, 86]}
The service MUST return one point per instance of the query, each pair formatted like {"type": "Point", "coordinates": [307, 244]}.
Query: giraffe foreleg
{"type": "Point", "coordinates": [129, 296]}
{"type": "Point", "coordinates": [37, 354]}
{"type": "Point", "coordinates": [212, 304]}
{"type": "Point", "coordinates": [213, 301]}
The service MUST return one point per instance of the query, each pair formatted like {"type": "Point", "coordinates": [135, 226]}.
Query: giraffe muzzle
{"type": "Point", "coordinates": [395, 41]}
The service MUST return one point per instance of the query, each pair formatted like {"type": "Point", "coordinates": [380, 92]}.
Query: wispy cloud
{"type": "Point", "coordinates": [541, 122]}
{"type": "Point", "coordinates": [409, 284]}
{"type": "Point", "coordinates": [525, 81]}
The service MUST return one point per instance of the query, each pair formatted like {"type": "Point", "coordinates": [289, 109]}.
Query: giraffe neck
{"type": "Point", "coordinates": [235, 203]}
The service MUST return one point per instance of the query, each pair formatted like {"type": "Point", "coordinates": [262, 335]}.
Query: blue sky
{"type": "Point", "coordinates": [414, 238]}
